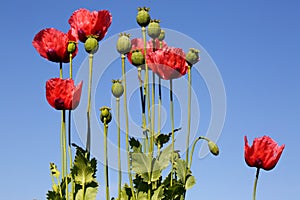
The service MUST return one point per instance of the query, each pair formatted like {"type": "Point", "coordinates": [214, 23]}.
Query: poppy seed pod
{"type": "Point", "coordinates": [161, 36]}
{"type": "Point", "coordinates": [143, 17]}
{"type": "Point", "coordinates": [154, 29]}
{"type": "Point", "coordinates": [71, 47]}
{"type": "Point", "coordinates": [192, 57]}
{"type": "Point", "coordinates": [117, 88]}
{"type": "Point", "coordinates": [137, 58]}
{"type": "Point", "coordinates": [124, 43]}
{"type": "Point", "coordinates": [105, 114]}
{"type": "Point", "coordinates": [214, 149]}
{"type": "Point", "coordinates": [91, 45]}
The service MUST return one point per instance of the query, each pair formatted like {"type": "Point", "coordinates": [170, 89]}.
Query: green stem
{"type": "Point", "coordinates": [143, 109]}
{"type": "Point", "coordinates": [146, 83]}
{"type": "Point", "coordinates": [159, 114]}
{"type": "Point", "coordinates": [88, 140]}
{"type": "Point", "coordinates": [127, 127]}
{"type": "Point", "coordinates": [189, 119]}
{"type": "Point", "coordinates": [149, 191]}
{"type": "Point", "coordinates": [69, 133]}
{"type": "Point", "coordinates": [119, 147]}
{"type": "Point", "coordinates": [172, 123]}
{"type": "Point", "coordinates": [192, 151]}
{"type": "Point", "coordinates": [106, 159]}
{"type": "Point", "coordinates": [255, 184]}
{"type": "Point", "coordinates": [152, 114]}
{"type": "Point", "coordinates": [64, 144]}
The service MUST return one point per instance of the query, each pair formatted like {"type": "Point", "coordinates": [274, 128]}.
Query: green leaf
{"type": "Point", "coordinates": [165, 157]}
{"type": "Point", "coordinates": [53, 196]}
{"type": "Point", "coordinates": [190, 182]}
{"type": "Point", "coordinates": [83, 170]}
{"type": "Point", "coordinates": [90, 194]}
{"type": "Point", "coordinates": [158, 194]}
{"type": "Point", "coordinates": [135, 145]}
{"type": "Point", "coordinates": [141, 164]}
{"type": "Point", "coordinates": [156, 170]}
{"type": "Point", "coordinates": [142, 196]}
{"type": "Point", "coordinates": [180, 167]}
{"type": "Point", "coordinates": [125, 193]}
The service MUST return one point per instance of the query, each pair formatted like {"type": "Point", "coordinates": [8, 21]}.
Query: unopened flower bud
{"type": "Point", "coordinates": [117, 88]}
{"type": "Point", "coordinates": [161, 36]}
{"type": "Point", "coordinates": [91, 45]}
{"type": "Point", "coordinates": [214, 149]}
{"type": "Point", "coordinates": [154, 29]}
{"type": "Point", "coordinates": [137, 58]}
{"type": "Point", "coordinates": [71, 47]}
{"type": "Point", "coordinates": [192, 57]}
{"type": "Point", "coordinates": [143, 17]}
{"type": "Point", "coordinates": [124, 43]}
{"type": "Point", "coordinates": [105, 114]}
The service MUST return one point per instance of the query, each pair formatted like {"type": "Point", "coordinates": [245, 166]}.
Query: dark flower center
{"type": "Point", "coordinates": [258, 162]}
{"type": "Point", "coordinates": [52, 55]}
{"type": "Point", "coordinates": [59, 104]}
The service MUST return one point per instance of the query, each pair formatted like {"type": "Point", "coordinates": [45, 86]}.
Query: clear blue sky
{"type": "Point", "coordinates": [254, 44]}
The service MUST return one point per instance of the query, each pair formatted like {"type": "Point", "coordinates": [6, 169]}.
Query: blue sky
{"type": "Point", "coordinates": [254, 44]}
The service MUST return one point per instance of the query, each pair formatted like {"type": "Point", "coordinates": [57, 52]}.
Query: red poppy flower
{"type": "Point", "coordinates": [52, 44]}
{"type": "Point", "coordinates": [168, 63]}
{"type": "Point", "coordinates": [89, 23]}
{"type": "Point", "coordinates": [264, 153]}
{"type": "Point", "coordinates": [62, 94]}
{"type": "Point", "coordinates": [138, 44]}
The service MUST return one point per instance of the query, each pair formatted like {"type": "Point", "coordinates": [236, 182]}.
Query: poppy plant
{"type": "Point", "coordinates": [62, 94]}
{"type": "Point", "coordinates": [90, 24]}
{"type": "Point", "coordinates": [168, 63]}
{"type": "Point", "coordinates": [52, 44]}
{"type": "Point", "coordinates": [264, 153]}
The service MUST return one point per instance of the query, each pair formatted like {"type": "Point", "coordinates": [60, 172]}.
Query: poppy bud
{"type": "Point", "coordinates": [192, 57]}
{"type": "Point", "coordinates": [91, 45]}
{"type": "Point", "coordinates": [161, 36]}
{"type": "Point", "coordinates": [124, 43]}
{"type": "Point", "coordinates": [213, 148]}
{"type": "Point", "coordinates": [71, 47]}
{"type": "Point", "coordinates": [143, 17]}
{"type": "Point", "coordinates": [105, 114]}
{"type": "Point", "coordinates": [154, 29]}
{"type": "Point", "coordinates": [117, 88]}
{"type": "Point", "coordinates": [137, 58]}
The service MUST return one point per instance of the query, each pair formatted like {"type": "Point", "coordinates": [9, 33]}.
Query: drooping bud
{"type": "Point", "coordinates": [137, 58]}
{"type": "Point", "coordinates": [154, 29]}
{"type": "Point", "coordinates": [117, 88]}
{"type": "Point", "coordinates": [143, 17]}
{"type": "Point", "coordinates": [124, 43]}
{"type": "Point", "coordinates": [161, 36]}
{"type": "Point", "coordinates": [192, 57]}
{"type": "Point", "coordinates": [214, 149]}
{"type": "Point", "coordinates": [105, 114]}
{"type": "Point", "coordinates": [91, 45]}
{"type": "Point", "coordinates": [71, 47]}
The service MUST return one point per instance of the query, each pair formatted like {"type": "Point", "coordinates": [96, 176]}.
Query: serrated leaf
{"type": "Point", "coordinates": [83, 170]}
{"type": "Point", "coordinates": [158, 194]}
{"type": "Point", "coordinates": [142, 196]}
{"type": "Point", "coordinates": [90, 194]}
{"type": "Point", "coordinates": [165, 157]}
{"type": "Point", "coordinates": [190, 182]}
{"type": "Point", "coordinates": [180, 168]}
{"type": "Point", "coordinates": [53, 196]}
{"type": "Point", "coordinates": [141, 164]}
{"type": "Point", "coordinates": [125, 193]}
{"type": "Point", "coordinates": [156, 170]}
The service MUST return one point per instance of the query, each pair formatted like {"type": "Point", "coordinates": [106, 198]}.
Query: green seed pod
{"type": "Point", "coordinates": [137, 58]}
{"type": "Point", "coordinates": [105, 114]}
{"type": "Point", "coordinates": [192, 57]}
{"type": "Point", "coordinates": [213, 148]}
{"type": "Point", "coordinates": [124, 43]}
{"type": "Point", "coordinates": [154, 29]}
{"type": "Point", "coordinates": [71, 47]}
{"type": "Point", "coordinates": [143, 17]}
{"type": "Point", "coordinates": [161, 36]}
{"type": "Point", "coordinates": [117, 88]}
{"type": "Point", "coordinates": [91, 45]}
